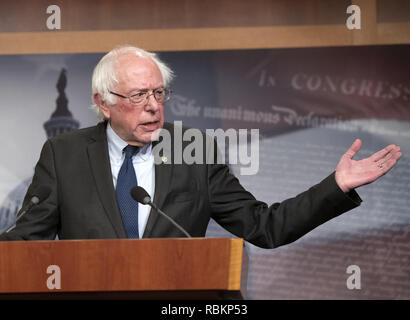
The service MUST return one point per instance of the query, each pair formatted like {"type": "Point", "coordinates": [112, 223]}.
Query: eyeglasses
{"type": "Point", "coordinates": [161, 95]}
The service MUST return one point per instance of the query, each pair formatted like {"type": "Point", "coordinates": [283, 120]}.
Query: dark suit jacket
{"type": "Point", "coordinates": [82, 204]}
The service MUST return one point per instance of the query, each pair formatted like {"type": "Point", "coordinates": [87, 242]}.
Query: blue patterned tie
{"type": "Point", "coordinates": [125, 182]}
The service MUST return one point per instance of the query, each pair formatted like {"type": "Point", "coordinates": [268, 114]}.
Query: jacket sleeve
{"type": "Point", "coordinates": [265, 226]}
{"type": "Point", "coordinates": [41, 222]}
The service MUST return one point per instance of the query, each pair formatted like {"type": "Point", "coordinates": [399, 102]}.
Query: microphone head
{"type": "Point", "coordinates": [40, 193]}
{"type": "Point", "coordinates": [140, 195]}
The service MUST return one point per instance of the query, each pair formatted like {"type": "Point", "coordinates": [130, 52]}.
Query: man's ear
{"type": "Point", "coordinates": [102, 105]}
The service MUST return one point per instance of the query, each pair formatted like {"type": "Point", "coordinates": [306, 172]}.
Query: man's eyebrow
{"type": "Point", "coordinates": [136, 90]}
{"type": "Point", "coordinates": [146, 89]}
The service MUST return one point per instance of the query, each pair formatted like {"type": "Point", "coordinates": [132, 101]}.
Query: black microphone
{"type": "Point", "coordinates": [140, 195]}
{"type": "Point", "coordinates": [40, 193]}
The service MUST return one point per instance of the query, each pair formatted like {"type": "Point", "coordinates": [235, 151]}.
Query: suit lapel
{"type": "Point", "coordinates": [163, 175]}
{"type": "Point", "coordinates": [100, 165]}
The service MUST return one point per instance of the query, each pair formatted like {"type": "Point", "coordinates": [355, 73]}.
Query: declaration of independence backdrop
{"type": "Point", "coordinates": [309, 105]}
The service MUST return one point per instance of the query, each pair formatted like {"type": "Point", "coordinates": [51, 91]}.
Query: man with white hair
{"type": "Point", "coordinates": [91, 171]}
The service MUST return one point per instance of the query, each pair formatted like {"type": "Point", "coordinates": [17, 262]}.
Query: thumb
{"type": "Point", "coordinates": [357, 144]}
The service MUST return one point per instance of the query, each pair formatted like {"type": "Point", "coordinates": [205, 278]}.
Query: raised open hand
{"type": "Point", "coordinates": [351, 174]}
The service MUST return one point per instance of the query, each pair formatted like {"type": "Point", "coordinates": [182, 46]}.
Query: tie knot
{"type": "Point", "coordinates": [129, 151]}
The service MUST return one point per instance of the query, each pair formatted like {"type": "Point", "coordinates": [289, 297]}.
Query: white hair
{"type": "Point", "coordinates": [104, 75]}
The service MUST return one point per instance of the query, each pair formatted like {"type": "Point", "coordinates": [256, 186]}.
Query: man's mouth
{"type": "Point", "coordinates": [151, 125]}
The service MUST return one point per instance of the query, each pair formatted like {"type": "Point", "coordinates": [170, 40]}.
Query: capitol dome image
{"type": "Point", "coordinates": [61, 121]}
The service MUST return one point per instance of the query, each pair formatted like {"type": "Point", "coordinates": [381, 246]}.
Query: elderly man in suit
{"type": "Point", "coordinates": [90, 173]}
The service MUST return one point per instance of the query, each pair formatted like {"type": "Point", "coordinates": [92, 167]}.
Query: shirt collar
{"type": "Point", "coordinates": [116, 145]}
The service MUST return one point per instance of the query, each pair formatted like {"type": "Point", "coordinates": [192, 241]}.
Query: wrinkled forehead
{"type": "Point", "coordinates": [134, 71]}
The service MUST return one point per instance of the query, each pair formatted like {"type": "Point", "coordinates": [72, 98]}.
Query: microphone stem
{"type": "Point", "coordinates": [170, 220]}
{"type": "Point", "coordinates": [19, 215]}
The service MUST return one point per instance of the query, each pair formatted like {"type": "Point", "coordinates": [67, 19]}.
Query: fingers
{"type": "Point", "coordinates": [384, 152]}
{"type": "Point", "coordinates": [389, 159]}
{"type": "Point", "coordinates": [387, 166]}
{"type": "Point", "coordinates": [386, 157]}
{"type": "Point", "coordinates": [357, 144]}
{"type": "Point", "coordinates": [397, 154]}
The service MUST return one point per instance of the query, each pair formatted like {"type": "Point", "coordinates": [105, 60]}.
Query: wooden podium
{"type": "Point", "coordinates": [197, 268]}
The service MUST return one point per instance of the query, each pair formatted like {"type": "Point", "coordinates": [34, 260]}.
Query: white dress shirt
{"type": "Point", "coordinates": [143, 163]}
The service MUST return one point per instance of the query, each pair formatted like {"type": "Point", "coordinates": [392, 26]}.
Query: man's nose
{"type": "Point", "coordinates": [152, 103]}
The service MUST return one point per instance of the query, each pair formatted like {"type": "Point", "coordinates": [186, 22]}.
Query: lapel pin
{"type": "Point", "coordinates": [164, 159]}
